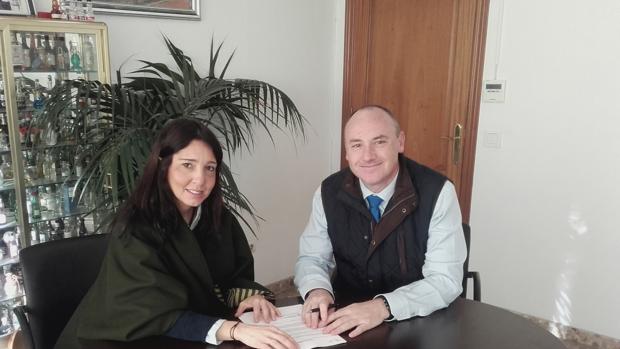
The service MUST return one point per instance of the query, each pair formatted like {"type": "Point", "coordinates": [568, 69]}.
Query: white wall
{"type": "Point", "coordinates": [295, 45]}
{"type": "Point", "coordinates": [545, 205]}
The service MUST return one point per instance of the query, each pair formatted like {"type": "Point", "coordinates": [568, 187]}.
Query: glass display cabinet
{"type": "Point", "coordinates": [40, 166]}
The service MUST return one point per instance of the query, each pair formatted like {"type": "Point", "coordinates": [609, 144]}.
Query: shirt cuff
{"type": "Point", "coordinates": [211, 335]}
{"type": "Point", "coordinates": [312, 284]}
{"type": "Point", "coordinates": [393, 301]}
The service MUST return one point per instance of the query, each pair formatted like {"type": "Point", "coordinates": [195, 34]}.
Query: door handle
{"type": "Point", "coordinates": [107, 182]}
{"type": "Point", "coordinates": [456, 145]}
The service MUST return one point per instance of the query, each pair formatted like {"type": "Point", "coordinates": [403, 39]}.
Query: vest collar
{"type": "Point", "coordinates": [403, 203]}
{"type": "Point", "coordinates": [403, 190]}
{"type": "Point", "coordinates": [385, 194]}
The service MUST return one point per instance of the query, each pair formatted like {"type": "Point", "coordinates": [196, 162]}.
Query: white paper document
{"type": "Point", "coordinates": [291, 323]}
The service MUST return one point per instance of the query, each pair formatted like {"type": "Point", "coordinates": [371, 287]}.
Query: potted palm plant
{"type": "Point", "coordinates": [120, 121]}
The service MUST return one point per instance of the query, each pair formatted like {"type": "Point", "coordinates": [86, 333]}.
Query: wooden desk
{"type": "Point", "coordinates": [465, 324]}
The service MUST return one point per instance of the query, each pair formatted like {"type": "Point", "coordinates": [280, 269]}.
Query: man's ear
{"type": "Point", "coordinates": [401, 142]}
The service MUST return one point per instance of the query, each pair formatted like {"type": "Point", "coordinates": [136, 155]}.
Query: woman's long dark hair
{"type": "Point", "coordinates": [152, 202]}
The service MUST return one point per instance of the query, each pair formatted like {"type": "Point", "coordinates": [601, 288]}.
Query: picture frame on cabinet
{"type": "Point", "coordinates": [185, 9]}
{"type": "Point", "coordinates": [17, 8]}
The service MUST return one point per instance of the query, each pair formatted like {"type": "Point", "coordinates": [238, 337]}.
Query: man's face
{"type": "Point", "coordinates": [372, 145]}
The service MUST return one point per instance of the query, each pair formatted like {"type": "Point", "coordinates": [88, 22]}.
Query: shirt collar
{"type": "Point", "coordinates": [385, 194]}
{"type": "Point", "coordinates": [196, 218]}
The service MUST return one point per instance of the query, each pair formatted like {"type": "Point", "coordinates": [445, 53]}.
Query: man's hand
{"type": "Point", "coordinates": [317, 298]}
{"type": "Point", "coordinates": [363, 316]}
{"type": "Point", "coordinates": [262, 308]}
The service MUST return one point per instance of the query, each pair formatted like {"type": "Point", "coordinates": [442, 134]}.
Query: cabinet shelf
{"type": "Point", "coordinates": [8, 225]}
{"type": "Point", "coordinates": [6, 298]}
{"type": "Point", "coordinates": [5, 261]}
{"type": "Point", "coordinates": [7, 184]}
{"type": "Point", "coordinates": [45, 182]}
{"type": "Point", "coordinates": [42, 147]}
{"type": "Point", "coordinates": [75, 212]}
{"type": "Point", "coordinates": [38, 183]}
{"type": "Point", "coordinates": [46, 146]}
{"type": "Point", "coordinates": [19, 110]}
{"type": "Point", "coordinates": [53, 71]}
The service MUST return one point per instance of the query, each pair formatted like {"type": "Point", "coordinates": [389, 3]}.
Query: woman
{"type": "Point", "coordinates": [178, 260]}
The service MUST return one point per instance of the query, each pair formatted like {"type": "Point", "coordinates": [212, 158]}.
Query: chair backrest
{"type": "Point", "coordinates": [467, 233]}
{"type": "Point", "coordinates": [57, 275]}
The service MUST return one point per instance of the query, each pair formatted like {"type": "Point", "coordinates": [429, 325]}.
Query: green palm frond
{"type": "Point", "coordinates": [121, 120]}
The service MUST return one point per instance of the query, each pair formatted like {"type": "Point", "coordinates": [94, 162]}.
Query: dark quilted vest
{"type": "Point", "coordinates": [377, 258]}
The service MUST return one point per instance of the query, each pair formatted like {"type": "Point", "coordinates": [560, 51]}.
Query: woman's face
{"type": "Point", "coordinates": [191, 176]}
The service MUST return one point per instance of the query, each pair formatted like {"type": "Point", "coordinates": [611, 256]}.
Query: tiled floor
{"type": "Point", "coordinates": [575, 338]}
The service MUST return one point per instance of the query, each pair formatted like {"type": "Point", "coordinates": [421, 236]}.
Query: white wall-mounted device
{"type": "Point", "coordinates": [494, 91]}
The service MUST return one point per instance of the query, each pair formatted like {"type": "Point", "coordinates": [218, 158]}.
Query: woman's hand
{"type": "Point", "coordinates": [261, 336]}
{"type": "Point", "coordinates": [256, 336]}
{"type": "Point", "coordinates": [263, 309]}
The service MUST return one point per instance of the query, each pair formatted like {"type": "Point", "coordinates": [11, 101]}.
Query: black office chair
{"type": "Point", "coordinates": [474, 275]}
{"type": "Point", "coordinates": [57, 275]}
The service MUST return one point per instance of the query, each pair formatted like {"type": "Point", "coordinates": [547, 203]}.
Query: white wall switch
{"type": "Point", "coordinates": [492, 139]}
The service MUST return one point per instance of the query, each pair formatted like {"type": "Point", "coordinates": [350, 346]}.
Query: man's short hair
{"type": "Point", "coordinates": [384, 109]}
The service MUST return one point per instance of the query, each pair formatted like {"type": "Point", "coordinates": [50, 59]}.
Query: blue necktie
{"type": "Point", "coordinates": [373, 205]}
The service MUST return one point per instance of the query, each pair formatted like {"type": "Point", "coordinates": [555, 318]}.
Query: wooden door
{"type": "Point", "coordinates": [422, 59]}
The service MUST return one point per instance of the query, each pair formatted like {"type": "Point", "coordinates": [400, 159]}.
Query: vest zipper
{"type": "Point", "coordinates": [401, 257]}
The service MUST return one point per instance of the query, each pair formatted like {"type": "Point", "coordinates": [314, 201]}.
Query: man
{"type": "Point", "coordinates": [391, 226]}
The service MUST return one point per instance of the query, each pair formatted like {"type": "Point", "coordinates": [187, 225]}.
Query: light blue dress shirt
{"type": "Point", "coordinates": [443, 265]}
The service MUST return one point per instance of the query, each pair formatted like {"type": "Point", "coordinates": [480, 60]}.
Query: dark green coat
{"type": "Point", "coordinates": [142, 289]}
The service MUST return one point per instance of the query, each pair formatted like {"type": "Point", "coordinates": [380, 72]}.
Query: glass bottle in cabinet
{"type": "Point", "coordinates": [40, 165]}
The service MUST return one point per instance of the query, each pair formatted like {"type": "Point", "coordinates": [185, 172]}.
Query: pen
{"type": "Point", "coordinates": [316, 310]}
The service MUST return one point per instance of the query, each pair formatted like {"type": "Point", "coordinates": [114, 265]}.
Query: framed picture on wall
{"type": "Point", "coordinates": [162, 8]}
{"type": "Point", "coordinates": [17, 8]}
